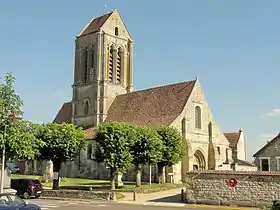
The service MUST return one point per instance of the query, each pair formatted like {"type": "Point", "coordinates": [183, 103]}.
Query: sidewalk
{"type": "Point", "coordinates": [163, 198]}
{"type": "Point", "coordinates": [170, 198]}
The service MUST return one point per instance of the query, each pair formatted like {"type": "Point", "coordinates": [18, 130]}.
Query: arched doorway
{"type": "Point", "coordinates": [199, 162]}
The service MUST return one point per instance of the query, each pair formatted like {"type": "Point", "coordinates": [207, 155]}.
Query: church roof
{"type": "Point", "coordinates": [64, 114]}
{"type": "Point", "coordinates": [233, 138]}
{"type": "Point", "coordinates": [153, 107]}
{"type": "Point", "coordinates": [95, 24]}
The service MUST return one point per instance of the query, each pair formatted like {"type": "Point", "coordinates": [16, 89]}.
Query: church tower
{"type": "Point", "coordinates": [103, 68]}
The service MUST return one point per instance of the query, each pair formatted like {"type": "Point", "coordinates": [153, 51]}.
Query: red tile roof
{"type": "Point", "coordinates": [64, 114]}
{"type": "Point", "coordinates": [233, 139]}
{"type": "Point", "coordinates": [153, 107]}
{"type": "Point", "coordinates": [95, 24]}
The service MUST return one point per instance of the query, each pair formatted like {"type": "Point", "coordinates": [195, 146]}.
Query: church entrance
{"type": "Point", "coordinates": [199, 162]}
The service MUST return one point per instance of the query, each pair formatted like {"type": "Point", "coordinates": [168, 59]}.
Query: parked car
{"type": "Point", "coordinates": [27, 188]}
{"type": "Point", "coordinates": [14, 202]}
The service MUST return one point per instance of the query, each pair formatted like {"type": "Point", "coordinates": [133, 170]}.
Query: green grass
{"type": "Point", "coordinates": [84, 184]}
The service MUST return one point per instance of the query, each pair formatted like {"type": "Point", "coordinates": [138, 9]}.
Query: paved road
{"type": "Point", "coordinates": [68, 205]}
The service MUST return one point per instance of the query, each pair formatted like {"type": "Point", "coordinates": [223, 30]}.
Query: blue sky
{"type": "Point", "coordinates": [232, 46]}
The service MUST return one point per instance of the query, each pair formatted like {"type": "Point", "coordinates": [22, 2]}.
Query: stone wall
{"type": "Point", "coordinates": [87, 169]}
{"type": "Point", "coordinates": [254, 188]}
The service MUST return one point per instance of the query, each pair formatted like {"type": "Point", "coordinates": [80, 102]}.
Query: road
{"type": "Point", "coordinates": [68, 205]}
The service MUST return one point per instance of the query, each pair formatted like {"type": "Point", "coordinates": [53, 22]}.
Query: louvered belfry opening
{"type": "Point", "coordinates": [111, 64]}
{"type": "Point", "coordinates": [119, 65]}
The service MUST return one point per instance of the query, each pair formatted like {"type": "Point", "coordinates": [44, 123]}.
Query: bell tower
{"type": "Point", "coordinates": [103, 68]}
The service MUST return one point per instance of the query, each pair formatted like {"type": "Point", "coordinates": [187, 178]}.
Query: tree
{"type": "Point", "coordinates": [146, 149]}
{"type": "Point", "coordinates": [16, 134]}
{"type": "Point", "coordinates": [62, 142]}
{"type": "Point", "coordinates": [113, 148]}
{"type": "Point", "coordinates": [173, 150]}
{"type": "Point", "coordinates": [21, 141]}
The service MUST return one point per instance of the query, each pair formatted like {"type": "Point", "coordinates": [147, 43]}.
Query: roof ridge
{"type": "Point", "coordinates": [161, 86]}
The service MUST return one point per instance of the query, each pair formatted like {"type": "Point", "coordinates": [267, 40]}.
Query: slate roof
{"type": "Point", "coordinates": [233, 138]}
{"type": "Point", "coordinates": [95, 24]}
{"type": "Point", "coordinates": [152, 107]}
{"type": "Point", "coordinates": [276, 138]}
{"type": "Point", "coordinates": [244, 163]}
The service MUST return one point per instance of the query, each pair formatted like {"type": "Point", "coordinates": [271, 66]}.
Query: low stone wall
{"type": "Point", "coordinates": [79, 194]}
{"type": "Point", "coordinates": [254, 188]}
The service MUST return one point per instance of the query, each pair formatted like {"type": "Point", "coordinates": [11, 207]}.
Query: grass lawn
{"type": "Point", "coordinates": [84, 184]}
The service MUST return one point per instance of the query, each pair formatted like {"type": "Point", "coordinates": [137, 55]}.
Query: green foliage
{"type": "Point", "coordinates": [113, 143]}
{"type": "Point", "coordinates": [147, 147]}
{"type": "Point", "coordinates": [173, 150]}
{"type": "Point", "coordinates": [62, 141]}
{"type": "Point", "coordinates": [10, 102]}
{"type": "Point", "coordinates": [20, 141]}
{"type": "Point", "coordinates": [276, 205]}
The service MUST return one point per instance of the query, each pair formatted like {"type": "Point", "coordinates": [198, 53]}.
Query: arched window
{"type": "Point", "coordinates": [111, 63]}
{"type": "Point", "coordinates": [210, 130]}
{"type": "Point", "coordinates": [119, 65]}
{"type": "Point", "coordinates": [85, 59]}
{"type": "Point", "coordinates": [92, 61]}
{"type": "Point", "coordinates": [116, 31]}
{"type": "Point", "coordinates": [227, 157]}
{"type": "Point", "coordinates": [89, 151]}
{"type": "Point", "coordinates": [86, 108]}
{"type": "Point", "coordinates": [183, 127]}
{"type": "Point", "coordinates": [198, 117]}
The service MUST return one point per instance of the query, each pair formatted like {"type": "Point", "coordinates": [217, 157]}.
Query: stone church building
{"type": "Point", "coordinates": [103, 91]}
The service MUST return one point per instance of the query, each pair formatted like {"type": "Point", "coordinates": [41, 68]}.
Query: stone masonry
{"type": "Point", "coordinates": [253, 189]}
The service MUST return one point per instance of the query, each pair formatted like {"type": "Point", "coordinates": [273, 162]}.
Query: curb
{"type": "Point", "coordinates": [152, 204]}
{"type": "Point", "coordinates": [73, 199]}
{"type": "Point", "coordinates": [183, 205]}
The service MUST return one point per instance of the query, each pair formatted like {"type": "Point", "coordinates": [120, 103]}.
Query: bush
{"type": "Point", "coordinates": [275, 205]}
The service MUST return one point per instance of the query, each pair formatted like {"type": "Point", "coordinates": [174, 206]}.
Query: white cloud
{"type": "Point", "coordinates": [274, 113]}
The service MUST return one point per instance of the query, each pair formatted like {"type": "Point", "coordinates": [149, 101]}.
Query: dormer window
{"type": "Point", "coordinates": [116, 31]}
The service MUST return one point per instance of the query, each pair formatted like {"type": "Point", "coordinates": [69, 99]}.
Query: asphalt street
{"type": "Point", "coordinates": [68, 205]}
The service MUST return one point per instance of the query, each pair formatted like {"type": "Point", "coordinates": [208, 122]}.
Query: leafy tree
{"type": "Point", "coordinates": [21, 141]}
{"type": "Point", "coordinates": [16, 134]}
{"type": "Point", "coordinates": [173, 150]}
{"type": "Point", "coordinates": [113, 147]}
{"type": "Point", "coordinates": [62, 143]}
{"type": "Point", "coordinates": [146, 149]}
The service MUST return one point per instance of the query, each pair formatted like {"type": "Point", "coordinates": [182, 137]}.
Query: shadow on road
{"type": "Point", "coordinates": [169, 199]}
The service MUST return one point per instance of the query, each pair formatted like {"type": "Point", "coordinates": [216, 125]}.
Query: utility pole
{"type": "Point", "coordinates": [3, 160]}
{"type": "Point", "coordinates": [150, 176]}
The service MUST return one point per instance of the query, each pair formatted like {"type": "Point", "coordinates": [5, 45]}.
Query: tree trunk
{"type": "Point", "coordinates": [161, 173]}
{"type": "Point", "coordinates": [56, 168]}
{"type": "Point", "coordinates": [138, 176]}
{"type": "Point", "coordinates": [113, 184]}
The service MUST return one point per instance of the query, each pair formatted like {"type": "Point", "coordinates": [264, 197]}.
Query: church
{"type": "Point", "coordinates": [103, 91]}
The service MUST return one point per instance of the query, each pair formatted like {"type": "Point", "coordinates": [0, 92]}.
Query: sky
{"type": "Point", "coordinates": [233, 48]}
